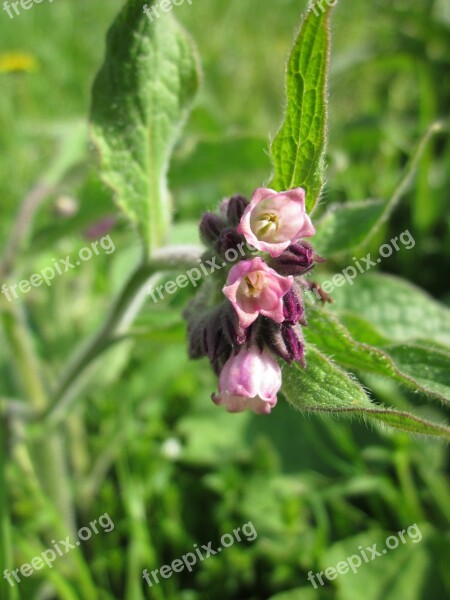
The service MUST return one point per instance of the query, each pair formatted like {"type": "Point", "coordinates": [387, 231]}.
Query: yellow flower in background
{"type": "Point", "coordinates": [17, 62]}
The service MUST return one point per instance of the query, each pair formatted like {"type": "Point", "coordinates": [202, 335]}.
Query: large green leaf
{"type": "Point", "coordinates": [398, 310]}
{"type": "Point", "coordinates": [324, 387]}
{"type": "Point", "coordinates": [418, 367]}
{"type": "Point", "coordinates": [141, 96]}
{"type": "Point", "coordinates": [346, 227]}
{"type": "Point", "coordinates": [427, 366]}
{"type": "Point", "coordinates": [298, 149]}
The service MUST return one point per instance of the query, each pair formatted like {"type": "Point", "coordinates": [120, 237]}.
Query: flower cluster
{"type": "Point", "coordinates": [255, 315]}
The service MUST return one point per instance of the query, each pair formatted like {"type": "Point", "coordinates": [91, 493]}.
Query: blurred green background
{"type": "Point", "coordinates": [143, 441]}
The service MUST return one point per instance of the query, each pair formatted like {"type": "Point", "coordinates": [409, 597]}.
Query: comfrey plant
{"type": "Point", "coordinates": [249, 318]}
{"type": "Point", "coordinates": [263, 310]}
{"type": "Point", "coordinates": [252, 318]}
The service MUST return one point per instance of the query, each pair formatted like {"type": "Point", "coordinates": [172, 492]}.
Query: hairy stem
{"type": "Point", "coordinates": [123, 312]}
{"type": "Point", "coordinates": [6, 555]}
{"type": "Point", "coordinates": [48, 458]}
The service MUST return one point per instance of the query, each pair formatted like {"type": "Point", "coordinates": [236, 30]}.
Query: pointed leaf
{"type": "Point", "coordinates": [141, 97]}
{"type": "Point", "coordinates": [345, 227]}
{"type": "Point", "coordinates": [324, 387]}
{"type": "Point", "coordinates": [418, 367]}
{"type": "Point", "coordinates": [399, 310]}
{"type": "Point", "coordinates": [298, 150]}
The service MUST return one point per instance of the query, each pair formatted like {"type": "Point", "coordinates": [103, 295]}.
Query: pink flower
{"type": "Point", "coordinates": [253, 288]}
{"type": "Point", "coordinates": [250, 379]}
{"type": "Point", "coordinates": [273, 221]}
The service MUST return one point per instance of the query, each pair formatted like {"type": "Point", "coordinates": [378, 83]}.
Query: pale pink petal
{"type": "Point", "coordinates": [292, 222]}
{"type": "Point", "coordinates": [267, 296]}
{"type": "Point", "coordinates": [249, 380]}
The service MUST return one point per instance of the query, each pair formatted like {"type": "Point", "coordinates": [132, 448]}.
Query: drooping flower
{"type": "Point", "coordinates": [253, 288]}
{"type": "Point", "coordinates": [249, 380]}
{"type": "Point", "coordinates": [275, 220]}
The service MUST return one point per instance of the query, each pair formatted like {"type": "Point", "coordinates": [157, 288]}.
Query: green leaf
{"type": "Point", "coordinates": [418, 367]}
{"type": "Point", "coordinates": [361, 330]}
{"type": "Point", "coordinates": [298, 150]}
{"type": "Point", "coordinates": [429, 367]}
{"type": "Point", "coordinates": [398, 310]}
{"type": "Point", "coordinates": [324, 387]}
{"type": "Point", "coordinates": [141, 97]}
{"type": "Point", "coordinates": [346, 227]}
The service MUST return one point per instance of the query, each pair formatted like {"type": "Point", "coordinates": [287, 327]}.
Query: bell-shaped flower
{"type": "Point", "coordinates": [253, 288]}
{"type": "Point", "coordinates": [249, 380]}
{"type": "Point", "coordinates": [275, 220]}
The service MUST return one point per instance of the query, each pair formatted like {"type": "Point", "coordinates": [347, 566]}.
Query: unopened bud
{"type": "Point", "coordinates": [293, 307]}
{"type": "Point", "coordinates": [235, 209]}
{"type": "Point", "coordinates": [297, 259]}
{"type": "Point", "coordinates": [286, 341]}
{"type": "Point", "coordinates": [229, 240]}
{"type": "Point", "coordinates": [211, 227]}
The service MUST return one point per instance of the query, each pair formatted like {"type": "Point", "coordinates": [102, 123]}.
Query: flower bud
{"type": "Point", "coordinates": [215, 333]}
{"type": "Point", "coordinates": [297, 259]}
{"type": "Point", "coordinates": [211, 227]}
{"type": "Point", "coordinates": [285, 340]}
{"type": "Point", "coordinates": [293, 307]}
{"type": "Point", "coordinates": [235, 209]}
{"type": "Point", "coordinates": [229, 240]}
{"type": "Point", "coordinates": [249, 380]}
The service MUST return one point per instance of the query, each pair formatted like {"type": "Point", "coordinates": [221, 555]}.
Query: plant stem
{"type": "Point", "coordinates": [22, 224]}
{"type": "Point", "coordinates": [6, 552]}
{"type": "Point", "coordinates": [122, 314]}
{"type": "Point", "coordinates": [48, 458]}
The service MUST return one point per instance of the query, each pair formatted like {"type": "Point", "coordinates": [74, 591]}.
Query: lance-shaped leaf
{"type": "Point", "coordinates": [141, 97]}
{"type": "Point", "coordinates": [324, 387]}
{"type": "Point", "coordinates": [298, 150]}
{"type": "Point", "coordinates": [419, 367]}
{"type": "Point", "coordinates": [347, 226]}
{"type": "Point", "coordinates": [399, 310]}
